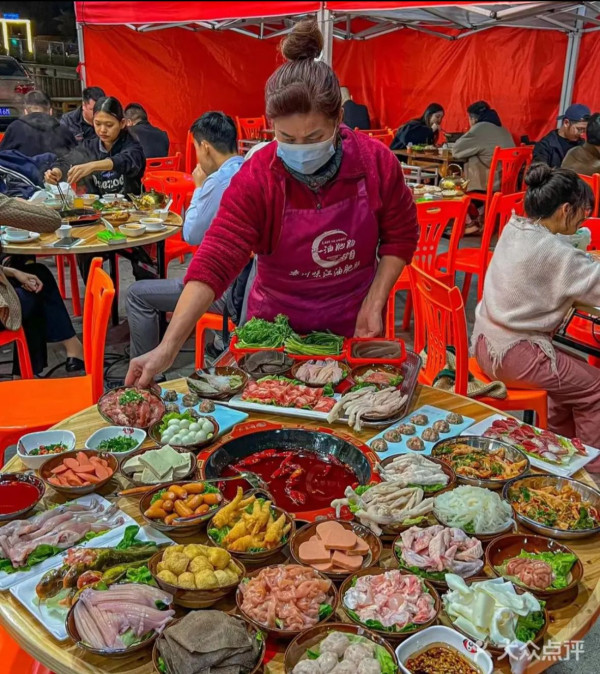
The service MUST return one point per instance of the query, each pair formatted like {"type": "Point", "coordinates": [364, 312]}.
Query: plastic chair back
{"type": "Point", "coordinates": [512, 163]}
{"type": "Point", "coordinates": [164, 163]}
{"type": "Point", "coordinates": [593, 224]}
{"type": "Point", "coordinates": [440, 322]}
{"type": "Point", "coordinates": [177, 184]}
{"type": "Point", "coordinates": [434, 218]}
{"type": "Point", "coordinates": [250, 128]}
{"type": "Point", "coordinates": [99, 295]}
{"type": "Point", "coordinates": [18, 337]}
{"type": "Point", "coordinates": [594, 182]}
{"type": "Point", "coordinates": [190, 153]}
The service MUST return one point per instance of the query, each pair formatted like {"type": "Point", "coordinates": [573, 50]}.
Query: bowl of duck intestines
{"type": "Point", "coordinates": [196, 575]}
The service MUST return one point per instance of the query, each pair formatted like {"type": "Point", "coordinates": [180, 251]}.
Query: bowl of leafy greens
{"type": "Point", "coordinates": [121, 441]}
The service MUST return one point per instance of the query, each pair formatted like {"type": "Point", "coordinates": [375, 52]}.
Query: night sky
{"type": "Point", "coordinates": [49, 18]}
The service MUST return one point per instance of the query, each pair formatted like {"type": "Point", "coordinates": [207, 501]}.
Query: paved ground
{"type": "Point", "coordinates": [118, 343]}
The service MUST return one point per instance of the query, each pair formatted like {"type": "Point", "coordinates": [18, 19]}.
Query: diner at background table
{"type": "Point", "coordinates": [570, 620]}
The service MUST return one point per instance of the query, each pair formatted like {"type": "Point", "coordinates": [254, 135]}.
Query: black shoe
{"type": "Point", "coordinates": [74, 365]}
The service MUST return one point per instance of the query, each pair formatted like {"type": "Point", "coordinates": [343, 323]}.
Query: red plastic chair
{"type": "Point", "coordinates": [190, 153]}
{"type": "Point", "coordinates": [15, 660]}
{"type": "Point", "coordinates": [594, 182]}
{"type": "Point", "coordinates": [512, 163]}
{"type": "Point", "coordinates": [172, 163]}
{"type": "Point", "coordinates": [433, 219]}
{"type": "Point", "coordinates": [18, 336]}
{"type": "Point", "coordinates": [476, 260]}
{"type": "Point", "coordinates": [440, 316]}
{"type": "Point", "coordinates": [250, 128]}
{"type": "Point", "coordinates": [36, 404]}
{"type": "Point", "coordinates": [207, 322]}
{"type": "Point", "coordinates": [180, 187]}
{"type": "Point", "coordinates": [71, 261]}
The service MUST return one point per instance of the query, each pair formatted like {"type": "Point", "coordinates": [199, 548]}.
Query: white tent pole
{"type": "Point", "coordinates": [573, 44]}
{"type": "Point", "coordinates": [81, 54]}
{"type": "Point", "coordinates": [325, 21]}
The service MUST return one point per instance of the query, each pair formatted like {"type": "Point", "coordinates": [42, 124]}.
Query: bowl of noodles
{"type": "Point", "coordinates": [559, 507]}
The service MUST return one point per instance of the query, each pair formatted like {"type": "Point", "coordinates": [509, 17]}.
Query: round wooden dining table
{"type": "Point", "coordinates": [569, 620]}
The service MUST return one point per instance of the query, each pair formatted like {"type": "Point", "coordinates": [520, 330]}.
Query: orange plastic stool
{"type": "Point", "coordinates": [440, 315]}
{"type": "Point", "coordinates": [207, 322]}
{"type": "Point", "coordinates": [18, 336]}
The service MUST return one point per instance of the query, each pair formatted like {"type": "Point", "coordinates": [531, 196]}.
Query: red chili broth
{"type": "Point", "coordinates": [322, 480]}
{"type": "Point", "coordinates": [16, 496]}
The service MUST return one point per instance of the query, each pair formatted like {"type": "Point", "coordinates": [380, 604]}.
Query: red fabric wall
{"type": "Point", "coordinates": [519, 72]}
{"type": "Point", "coordinates": [177, 74]}
{"type": "Point", "coordinates": [586, 81]}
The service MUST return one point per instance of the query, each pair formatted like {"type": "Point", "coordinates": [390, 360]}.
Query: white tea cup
{"type": "Point", "coordinates": [64, 231]}
{"type": "Point", "coordinates": [16, 233]}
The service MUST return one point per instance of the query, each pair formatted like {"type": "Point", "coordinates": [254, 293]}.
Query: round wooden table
{"type": "Point", "coordinates": [567, 623]}
{"type": "Point", "coordinates": [92, 245]}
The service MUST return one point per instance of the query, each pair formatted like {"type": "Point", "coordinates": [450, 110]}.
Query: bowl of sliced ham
{"type": "Point", "coordinates": [138, 408]}
{"type": "Point", "coordinates": [370, 597]}
{"type": "Point", "coordinates": [78, 473]}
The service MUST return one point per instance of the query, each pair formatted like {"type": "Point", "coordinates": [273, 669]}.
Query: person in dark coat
{"type": "Point", "coordinates": [37, 131]}
{"type": "Point", "coordinates": [356, 116]}
{"type": "Point", "coordinates": [553, 147]}
{"type": "Point", "coordinates": [79, 122]}
{"type": "Point", "coordinates": [155, 141]}
{"type": "Point", "coordinates": [423, 130]}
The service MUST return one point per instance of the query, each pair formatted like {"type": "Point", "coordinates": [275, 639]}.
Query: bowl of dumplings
{"type": "Point", "coordinates": [196, 575]}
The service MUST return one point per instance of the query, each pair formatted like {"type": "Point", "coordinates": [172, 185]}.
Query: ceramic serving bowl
{"type": "Point", "coordinates": [445, 467]}
{"type": "Point", "coordinates": [276, 632]}
{"type": "Point", "coordinates": [45, 472]}
{"type": "Point", "coordinates": [116, 217]}
{"type": "Point", "coordinates": [299, 364]}
{"type": "Point", "coordinates": [155, 433]}
{"type": "Point", "coordinates": [441, 449]}
{"type": "Point", "coordinates": [33, 441]}
{"type": "Point", "coordinates": [223, 371]}
{"type": "Point", "coordinates": [314, 635]}
{"type": "Point", "coordinates": [128, 474]}
{"type": "Point", "coordinates": [309, 530]}
{"type": "Point", "coordinates": [6, 507]}
{"type": "Point", "coordinates": [359, 372]}
{"type": "Point", "coordinates": [153, 224]}
{"type": "Point", "coordinates": [512, 490]}
{"type": "Point", "coordinates": [154, 400]}
{"type": "Point", "coordinates": [110, 432]}
{"type": "Point", "coordinates": [193, 599]}
{"type": "Point", "coordinates": [278, 364]}
{"type": "Point", "coordinates": [503, 548]}
{"type": "Point", "coordinates": [393, 637]}
{"type": "Point", "coordinates": [132, 230]}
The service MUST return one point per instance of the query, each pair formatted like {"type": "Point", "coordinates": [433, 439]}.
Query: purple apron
{"type": "Point", "coordinates": [321, 268]}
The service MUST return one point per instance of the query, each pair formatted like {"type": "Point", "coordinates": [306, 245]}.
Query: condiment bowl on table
{"type": "Point", "coordinates": [369, 559]}
{"type": "Point", "coordinates": [315, 635]}
{"type": "Point", "coordinates": [155, 433]}
{"type": "Point", "coordinates": [128, 474]}
{"type": "Point", "coordinates": [45, 472]}
{"type": "Point", "coordinates": [252, 631]}
{"type": "Point", "coordinates": [108, 433]}
{"type": "Point", "coordinates": [439, 634]}
{"type": "Point", "coordinates": [393, 637]}
{"type": "Point", "coordinates": [276, 632]}
{"type": "Point", "coordinates": [252, 558]}
{"type": "Point", "coordinates": [506, 547]}
{"type": "Point", "coordinates": [193, 599]}
{"type": "Point", "coordinates": [539, 482]}
{"type": "Point", "coordinates": [479, 443]}
{"type": "Point", "coordinates": [12, 488]}
{"type": "Point", "coordinates": [132, 230]}
{"type": "Point", "coordinates": [343, 366]}
{"type": "Point", "coordinates": [32, 442]}
{"type": "Point", "coordinates": [192, 526]}
{"type": "Point", "coordinates": [219, 371]}
{"type": "Point", "coordinates": [445, 467]}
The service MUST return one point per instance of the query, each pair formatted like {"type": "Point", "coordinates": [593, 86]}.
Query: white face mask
{"type": "Point", "coordinates": [309, 157]}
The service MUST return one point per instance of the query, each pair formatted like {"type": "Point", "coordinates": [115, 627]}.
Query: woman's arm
{"type": "Point", "coordinates": [130, 161]}
{"type": "Point", "coordinates": [466, 146]}
{"type": "Point", "coordinates": [31, 217]}
{"type": "Point", "coordinates": [369, 322]}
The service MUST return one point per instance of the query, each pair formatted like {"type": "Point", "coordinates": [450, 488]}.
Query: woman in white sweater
{"type": "Point", "coordinates": [532, 281]}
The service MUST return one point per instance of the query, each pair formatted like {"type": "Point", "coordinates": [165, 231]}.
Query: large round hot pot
{"type": "Point", "coordinates": [256, 436]}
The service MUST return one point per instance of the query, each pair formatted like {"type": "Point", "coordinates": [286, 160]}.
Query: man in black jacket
{"type": "Point", "coordinates": [553, 147]}
{"type": "Point", "coordinates": [355, 116]}
{"type": "Point", "coordinates": [37, 131]}
{"type": "Point", "coordinates": [80, 121]}
{"type": "Point", "coordinates": [155, 141]}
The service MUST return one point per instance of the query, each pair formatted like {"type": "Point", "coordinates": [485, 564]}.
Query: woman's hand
{"type": "Point", "coordinates": [369, 322]}
{"type": "Point", "coordinates": [143, 368]}
{"type": "Point", "coordinates": [53, 176]}
{"type": "Point", "coordinates": [77, 173]}
{"type": "Point", "coordinates": [29, 282]}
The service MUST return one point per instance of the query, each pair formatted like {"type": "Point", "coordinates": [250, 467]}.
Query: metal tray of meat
{"type": "Point", "coordinates": [410, 369]}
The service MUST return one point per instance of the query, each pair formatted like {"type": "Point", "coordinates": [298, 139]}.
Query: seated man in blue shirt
{"type": "Point", "coordinates": [215, 140]}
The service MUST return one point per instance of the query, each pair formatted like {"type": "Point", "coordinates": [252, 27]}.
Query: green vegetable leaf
{"type": "Point", "coordinates": [279, 623]}
{"type": "Point", "coordinates": [325, 610]}
{"type": "Point", "coordinates": [218, 535]}
{"type": "Point", "coordinates": [260, 334]}
{"type": "Point", "coordinates": [377, 625]}
{"type": "Point", "coordinates": [328, 390]}
{"type": "Point", "coordinates": [130, 396]}
{"type": "Point", "coordinates": [140, 575]}
{"type": "Point", "coordinates": [130, 638]}
{"type": "Point", "coordinates": [312, 654]}
{"type": "Point", "coordinates": [158, 496]}
{"type": "Point", "coordinates": [429, 575]}
{"type": "Point", "coordinates": [162, 665]}
{"type": "Point", "coordinates": [469, 528]}
{"type": "Point", "coordinates": [129, 537]}
{"type": "Point", "coordinates": [260, 637]}
{"type": "Point", "coordinates": [119, 443]}
{"type": "Point", "coordinates": [528, 626]}
{"type": "Point", "coordinates": [161, 606]}
{"type": "Point", "coordinates": [315, 344]}
{"type": "Point", "coordinates": [428, 488]}
{"type": "Point", "coordinates": [584, 521]}
{"type": "Point", "coordinates": [525, 493]}
{"type": "Point", "coordinates": [386, 662]}
{"type": "Point", "coordinates": [164, 422]}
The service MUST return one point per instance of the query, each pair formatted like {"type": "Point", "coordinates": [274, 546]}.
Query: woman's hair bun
{"type": "Point", "coordinates": [538, 175]}
{"type": "Point", "coordinates": [304, 42]}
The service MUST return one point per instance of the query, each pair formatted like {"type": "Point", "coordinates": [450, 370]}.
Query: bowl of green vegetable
{"type": "Point", "coordinates": [319, 344]}
{"type": "Point", "coordinates": [259, 334]}
{"type": "Point", "coordinates": [121, 441]}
